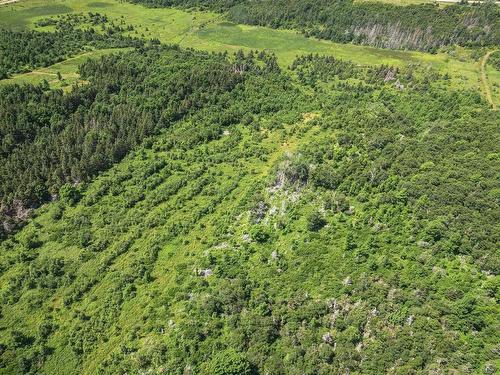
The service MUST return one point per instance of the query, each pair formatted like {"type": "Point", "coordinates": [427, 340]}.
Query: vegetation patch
{"type": "Point", "coordinates": [19, 17]}
{"type": "Point", "coordinates": [198, 30]}
{"type": "Point", "coordinates": [226, 24]}
{"type": "Point", "coordinates": [266, 203]}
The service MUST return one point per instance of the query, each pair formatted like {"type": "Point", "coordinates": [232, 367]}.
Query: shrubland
{"type": "Point", "coordinates": [186, 212]}
{"type": "Point", "coordinates": [49, 138]}
{"type": "Point", "coordinates": [319, 220]}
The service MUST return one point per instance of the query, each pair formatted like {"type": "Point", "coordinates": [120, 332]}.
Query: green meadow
{"type": "Point", "coordinates": [209, 31]}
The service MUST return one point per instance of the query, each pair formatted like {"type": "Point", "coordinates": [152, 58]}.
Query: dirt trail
{"type": "Point", "coordinates": [5, 2]}
{"type": "Point", "coordinates": [484, 80]}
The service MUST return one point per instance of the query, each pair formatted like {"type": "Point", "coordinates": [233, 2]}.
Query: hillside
{"type": "Point", "coordinates": [179, 211]}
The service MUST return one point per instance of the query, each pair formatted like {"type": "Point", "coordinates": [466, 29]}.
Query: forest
{"type": "Point", "coordinates": [49, 138]}
{"type": "Point", "coordinates": [26, 50]}
{"type": "Point", "coordinates": [180, 211]}
{"type": "Point", "coordinates": [421, 27]}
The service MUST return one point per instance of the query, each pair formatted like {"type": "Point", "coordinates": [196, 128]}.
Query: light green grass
{"type": "Point", "coordinates": [20, 15]}
{"type": "Point", "coordinates": [493, 76]}
{"type": "Point", "coordinates": [166, 23]}
{"type": "Point", "coordinates": [288, 44]}
{"type": "Point", "coordinates": [207, 31]}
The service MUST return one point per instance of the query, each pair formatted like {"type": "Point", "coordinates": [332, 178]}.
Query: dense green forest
{"type": "Point", "coordinates": [424, 27]}
{"type": "Point", "coordinates": [188, 212]}
{"type": "Point", "coordinates": [220, 5]}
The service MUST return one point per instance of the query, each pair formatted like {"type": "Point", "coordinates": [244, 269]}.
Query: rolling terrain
{"type": "Point", "coordinates": [182, 194]}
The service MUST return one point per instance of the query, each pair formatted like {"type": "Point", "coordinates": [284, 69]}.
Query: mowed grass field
{"type": "Point", "coordinates": [209, 31]}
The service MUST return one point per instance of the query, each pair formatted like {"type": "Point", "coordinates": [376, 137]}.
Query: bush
{"type": "Point", "coordinates": [435, 230]}
{"type": "Point", "coordinates": [315, 221]}
{"type": "Point", "coordinates": [19, 339]}
{"type": "Point", "coordinates": [32, 241]}
{"type": "Point", "coordinates": [326, 176]}
{"type": "Point", "coordinates": [228, 362]}
{"type": "Point", "coordinates": [260, 234]}
{"type": "Point", "coordinates": [57, 212]}
{"type": "Point", "coordinates": [69, 194]}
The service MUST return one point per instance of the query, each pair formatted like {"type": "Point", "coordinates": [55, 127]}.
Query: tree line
{"type": "Point", "coordinates": [425, 27]}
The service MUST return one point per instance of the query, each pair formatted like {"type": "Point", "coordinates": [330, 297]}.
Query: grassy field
{"type": "Point", "coordinates": [208, 31]}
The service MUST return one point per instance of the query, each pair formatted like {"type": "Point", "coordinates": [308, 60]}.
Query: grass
{"type": "Point", "coordinates": [494, 83]}
{"type": "Point", "coordinates": [207, 31]}
{"type": "Point", "coordinates": [17, 16]}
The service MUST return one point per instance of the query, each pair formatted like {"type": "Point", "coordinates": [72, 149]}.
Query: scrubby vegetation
{"type": "Point", "coordinates": [186, 212]}
{"type": "Point", "coordinates": [49, 138]}
{"type": "Point", "coordinates": [265, 228]}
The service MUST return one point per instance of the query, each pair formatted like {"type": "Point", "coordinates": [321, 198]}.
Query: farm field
{"type": "Point", "coordinates": [208, 31]}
